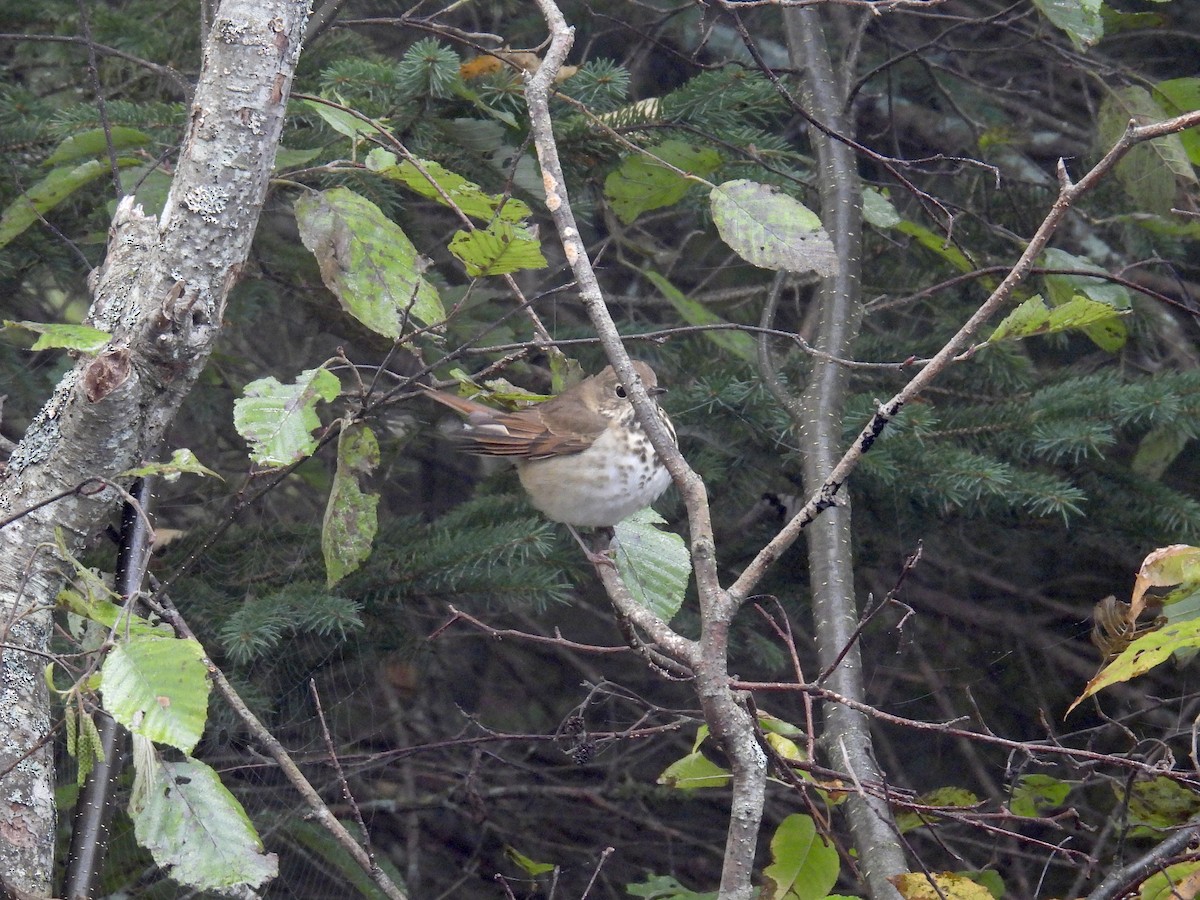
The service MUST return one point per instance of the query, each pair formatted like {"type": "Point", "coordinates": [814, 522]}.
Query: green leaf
{"type": "Point", "coordinates": [112, 616]}
{"type": "Point", "coordinates": [769, 229]}
{"type": "Point", "coordinates": [664, 887]}
{"type": "Point", "coordinates": [287, 158]}
{"type": "Point", "coordinates": [83, 338]}
{"type": "Point", "coordinates": [182, 462]}
{"type": "Point", "coordinates": [42, 197]}
{"type": "Point", "coordinates": [1148, 172]}
{"type": "Point", "coordinates": [988, 878]}
{"type": "Point", "coordinates": [938, 245]}
{"type": "Point", "coordinates": [654, 564]}
{"type": "Point", "coordinates": [193, 827]}
{"type": "Point", "coordinates": [643, 183]}
{"type": "Point", "coordinates": [1037, 793]}
{"type": "Point", "coordinates": [1107, 334]}
{"type": "Point", "coordinates": [1080, 19]}
{"type": "Point", "coordinates": [150, 184]}
{"type": "Point", "coordinates": [1178, 96]}
{"type": "Point", "coordinates": [93, 144]}
{"type": "Point", "coordinates": [693, 772]}
{"type": "Point", "coordinates": [529, 866]}
{"type": "Point", "coordinates": [468, 197]}
{"type": "Point", "coordinates": [738, 343]}
{"type": "Point", "coordinates": [1035, 317]}
{"type": "Point", "coordinates": [350, 515]}
{"type": "Point", "coordinates": [341, 121]}
{"type": "Point", "coordinates": [803, 865]}
{"type": "Point", "coordinates": [277, 420]}
{"type": "Point", "coordinates": [1156, 451]}
{"type": "Point", "coordinates": [1161, 803]}
{"type": "Point", "coordinates": [943, 796]}
{"type": "Point", "coordinates": [878, 209]}
{"type": "Point", "coordinates": [498, 249]}
{"type": "Point", "coordinates": [157, 687]}
{"type": "Point", "coordinates": [367, 261]}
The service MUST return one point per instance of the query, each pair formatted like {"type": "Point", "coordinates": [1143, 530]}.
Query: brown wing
{"type": "Point", "coordinates": [524, 433]}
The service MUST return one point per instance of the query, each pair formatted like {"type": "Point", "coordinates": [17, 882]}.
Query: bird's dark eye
{"type": "Point", "coordinates": [621, 391]}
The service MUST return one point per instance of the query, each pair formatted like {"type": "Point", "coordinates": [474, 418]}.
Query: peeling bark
{"type": "Point", "coordinates": [161, 292]}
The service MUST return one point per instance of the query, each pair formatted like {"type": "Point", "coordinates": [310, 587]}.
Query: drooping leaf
{"type": "Point", "coordinates": [277, 420]}
{"type": "Point", "coordinates": [1160, 803]}
{"type": "Point", "coordinates": [770, 229]}
{"type": "Point", "coordinates": [93, 144]}
{"type": "Point", "coordinates": [194, 828]}
{"type": "Point", "coordinates": [436, 182]}
{"type": "Point", "coordinates": [157, 687]}
{"type": "Point", "coordinates": [738, 343]}
{"type": "Point", "coordinates": [693, 772]}
{"type": "Point", "coordinates": [1148, 172]}
{"type": "Point", "coordinates": [878, 209]}
{"type": "Point", "coordinates": [498, 249]}
{"type": "Point", "coordinates": [643, 183]}
{"type": "Point", "coordinates": [1143, 654]}
{"type": "Point", "coordinates": [367, 261]}
{"type": "Point", "coordinates": [803, 865]}
{"type": "Point", "coordinates": [52, 190]}
{"type": "Point", "coordinates": [654, 564]}
{"type": "Point", "coordinates": [956, 797]}
{"type": "Point", "coordinates": [340, 120]}
{"type": "Point", "coordinates": [1061, 290]}
{"type": "Point", "coordinates": [1178, 96]}
{"type": "Point", "coordinates": [83, 338]}
{"type": "Point", "coordinates": [1156, 451]}
{"type": "Point", "coordinates": [1080, 19]}
{"type": "Point", "coordinates": [936, 244]}
{"type": "Point", "coordinates": [1176, 566]}
{"type": "Point", "coordinates": [350, 520]}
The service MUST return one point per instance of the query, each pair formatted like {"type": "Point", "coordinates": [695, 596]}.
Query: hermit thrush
{"type": "Point", "coordinates": [583, 457]}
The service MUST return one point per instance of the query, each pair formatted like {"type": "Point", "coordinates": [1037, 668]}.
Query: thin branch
{"type": "Point", "coordinates": [1070, 193]}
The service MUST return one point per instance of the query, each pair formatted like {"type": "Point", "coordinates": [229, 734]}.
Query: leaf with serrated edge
{"type": "Point", "coordinates": [277, 420]}
{"type": "Point", "coordinates": [194, 827]}
{"type": "Point", "coordinates": [654, 564]}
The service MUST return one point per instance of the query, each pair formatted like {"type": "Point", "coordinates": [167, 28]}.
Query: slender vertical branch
{"type": "Point", "coordinates": [847, 733]}
{"type": "Point", "coordinates": [727, 713]}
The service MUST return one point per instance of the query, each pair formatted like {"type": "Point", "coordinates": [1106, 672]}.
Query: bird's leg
{"type": "Point", "coordinates": [596, 559]}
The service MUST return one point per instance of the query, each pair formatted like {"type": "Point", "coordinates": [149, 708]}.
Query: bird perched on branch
{"type": "Point", "coordinates": [583, 457]}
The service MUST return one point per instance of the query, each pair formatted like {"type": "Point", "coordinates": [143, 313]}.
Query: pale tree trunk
{"type": "Point", "coordinates": [161, 292]}
{"type": "Point", "coordinates": [847, 736]}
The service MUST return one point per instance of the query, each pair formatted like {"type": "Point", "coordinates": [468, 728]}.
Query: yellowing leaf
{"type": "Point", "coordinates": [1143, 655]}
{"type": "Point", "coordinates": [917, 886]}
